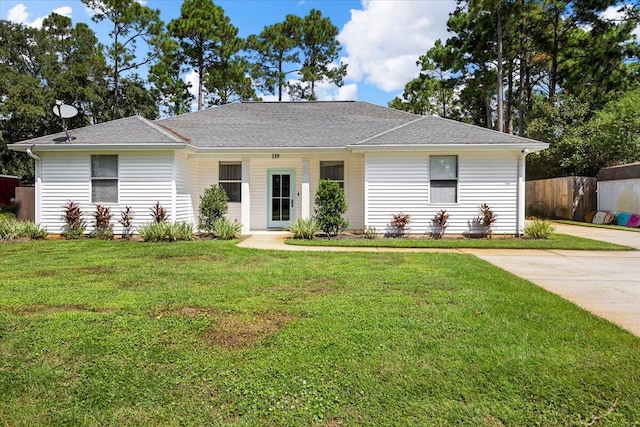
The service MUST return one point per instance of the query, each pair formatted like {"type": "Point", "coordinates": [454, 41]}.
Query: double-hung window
{"type": "Point", "coordinates": [443, 174]}
{"type": "Point", "coordinates": [104, 179]}
{"type": "Point", "coordinates": [334, 171]}
{"type": "Point", "coordinates": [230, 178]}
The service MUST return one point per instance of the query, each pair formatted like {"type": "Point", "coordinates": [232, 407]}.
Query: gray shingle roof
{"type": "Point", "coordinates": [285, 125]}
{"type": "Point", "coordinates": [130, 130]}
{"type": "Point", "coordinates": [434, 130]}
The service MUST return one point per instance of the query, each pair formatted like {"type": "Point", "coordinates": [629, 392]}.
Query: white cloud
{"type": "Point", "coordinates": [384, 39]}
{"type": "Point", "coordinates": [64, 11]}
{"type": "Point", "coordinates": [617, 14]}
{"type": "Point", "coordinates": [19, 14]}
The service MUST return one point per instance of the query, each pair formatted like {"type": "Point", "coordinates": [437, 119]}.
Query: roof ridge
{"type": "Point", "coordinates": [171, 135]}
{"type": "Point", "coordinates": [393, 129]}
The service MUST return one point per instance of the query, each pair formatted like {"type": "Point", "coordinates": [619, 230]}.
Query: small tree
{"type": "Point", "coordinates": [214, 203]}
{"type": "Point", "coordinates": [330, 205]}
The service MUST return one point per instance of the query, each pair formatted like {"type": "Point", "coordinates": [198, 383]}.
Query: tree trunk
{"type": "Point", "coordinates": [116, 72]}
{"type": "Point", "coordinates": [499, 71]}
{"type": "Point", "coordinates": [523, 76]}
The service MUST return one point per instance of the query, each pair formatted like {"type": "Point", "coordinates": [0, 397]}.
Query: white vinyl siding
{"type": "Point", "coordinates": [397, 183]}
{"type": "Point", "coordinates": [353, 186]}
{"type": "Point", "coordinates": [208, 175]}
{"type": "Point", "coordinates": [144, 179]}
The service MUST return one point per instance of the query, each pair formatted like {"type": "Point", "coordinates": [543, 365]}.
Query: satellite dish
{"type": "Point", "coordinates": [64, 111]}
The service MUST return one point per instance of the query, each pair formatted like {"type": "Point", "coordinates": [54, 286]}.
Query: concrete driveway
{"type": "Point", "coordinates": [606, 283]}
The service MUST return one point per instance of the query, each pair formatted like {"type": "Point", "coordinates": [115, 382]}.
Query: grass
{"type": "Point", "coordinates": [204, 333]}
{"type": "Point", "coordinates": [588, 224]}
{"type": "Point", "coordinates": [555, 241]}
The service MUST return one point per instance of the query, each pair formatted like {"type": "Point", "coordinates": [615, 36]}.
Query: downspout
{"type": "Point", "coordinates": [32, 154]}
{"type": "Point", "coordinates": [522, 164]}
{"type": "Point", "coordinates": [38, 179]}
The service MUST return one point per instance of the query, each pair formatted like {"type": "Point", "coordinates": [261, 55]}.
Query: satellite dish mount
{"type": "Point", "coordinates": [64, 111]}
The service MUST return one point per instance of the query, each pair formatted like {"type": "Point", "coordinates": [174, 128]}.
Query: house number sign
{"type": "Point", "coordinates": [275, 156]}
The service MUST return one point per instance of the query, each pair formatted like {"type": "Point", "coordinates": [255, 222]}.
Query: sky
{"type": "Point", "coordinates": [381, 39]}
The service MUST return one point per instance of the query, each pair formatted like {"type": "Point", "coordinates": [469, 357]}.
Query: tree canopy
{"type": "Point", "coordinates": [143, 67]}
{"type": "Point", "coordinates": [544, 69]}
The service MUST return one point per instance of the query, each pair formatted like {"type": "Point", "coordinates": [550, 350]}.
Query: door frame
{"type": "Point", "coordinates": [292, 210]}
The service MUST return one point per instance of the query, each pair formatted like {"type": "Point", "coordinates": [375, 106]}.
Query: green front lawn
{"type": "Point", "coordinates": [555, 241]}
{"type": "Point", "coordinates": [204, 333]}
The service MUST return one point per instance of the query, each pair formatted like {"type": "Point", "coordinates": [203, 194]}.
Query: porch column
{"type": "Point", "coordinates": [305, 197]}
{"type": "Point", "coordinates": [520, 211]}
{"type": "Point", "coordinates": [245, 201]}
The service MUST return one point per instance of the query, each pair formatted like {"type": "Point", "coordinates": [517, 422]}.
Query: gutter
{"type": "Point", "coordinates": [97, 147]}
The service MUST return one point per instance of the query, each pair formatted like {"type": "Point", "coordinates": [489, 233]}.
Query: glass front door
{"type": "Point", "coordinates": [281, 201]}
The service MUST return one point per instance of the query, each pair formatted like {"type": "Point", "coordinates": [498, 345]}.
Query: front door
{"type": "Point", "coordinates": [282, 185]}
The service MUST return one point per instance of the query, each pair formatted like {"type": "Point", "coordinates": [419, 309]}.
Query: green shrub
{"type": "Point", "coordinates": [34, 231]}
{"type": "Point", "coordinates": [182, 231]}
{"type": "Point", "coordinates": [163, 231]}
{"type": "Point", "coordinates": [225, 229]}
{"type": "Point", "coordinates": [214, 204]}
{"type": "Point", "coordinates": [330, 206]}
{"type": "Point", "coordinates": [11, 228]}
{"type": "Point", "coordinates": [538, 228]}
{"type": "Point", "coordinates": [7, 215]}
{"type": "Point", "coordinates": [370, 233]}
{"type": "Point", "coordinates": [303, 228]}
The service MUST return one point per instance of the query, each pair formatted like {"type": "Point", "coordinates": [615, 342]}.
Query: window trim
{"type": "Point", "coordinates": [115, 178]}
{"type": "Point", "coordinates": [231, 181]}
{"type": "Point", "coordinates": [342, 181]}
{"type": "Point", "coordinates": [455, 180]}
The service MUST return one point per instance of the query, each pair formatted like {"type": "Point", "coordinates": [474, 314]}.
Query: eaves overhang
{"type": "Point", "coordinates": [438, 147]}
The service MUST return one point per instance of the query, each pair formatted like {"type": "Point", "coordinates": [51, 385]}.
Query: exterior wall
{"type": "Point", "coordinates": [259, 190]}
{"type": "Point", "coordinates": [208, 176]}
{"type": "Point", "coordinates": [186, 177]}
{"type": "Point", "coordinates": [353, 185]}
{"type": "Point", "coordinates": [144, 178]}
{"type": "Point", "coordinates": [619, 195]}
{"type": "Point", "coordinates": [399, 183]}
{"type": "Point", "coordinates": [260, 164]}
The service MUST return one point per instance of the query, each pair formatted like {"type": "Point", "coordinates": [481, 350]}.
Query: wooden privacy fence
{"type": "Point", "coordinates": [569, 197]}
{"type": "Point", "coordinates": [26, 203]}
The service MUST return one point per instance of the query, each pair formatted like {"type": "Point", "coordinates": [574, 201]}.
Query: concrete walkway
{"type": "Point", "coordinates": [606, 283]}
